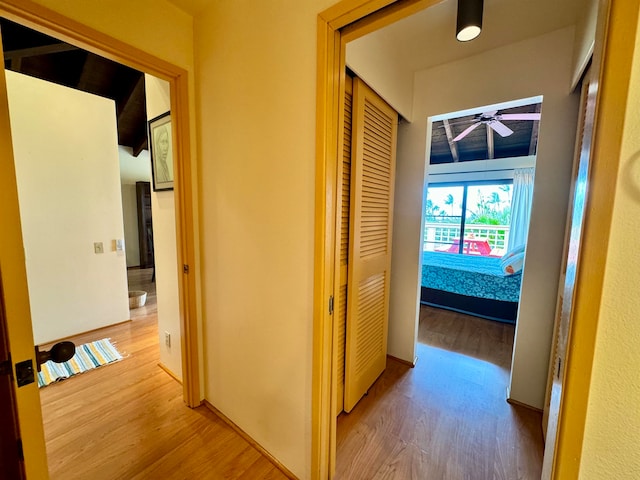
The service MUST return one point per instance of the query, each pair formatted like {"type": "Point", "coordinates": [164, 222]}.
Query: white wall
{"type": "Point", "coordinates": [165, 246]}
{"type": "Point", "coordinates": [130, 224]}
{"type": "Point", "coordinates": [540, 66]}
{"type": "Point", "coordinates": [393, 82]}
{"type": "Point", "coordinates": [65, 146]}
{"type": "Point", "coordinates": [132, 170]}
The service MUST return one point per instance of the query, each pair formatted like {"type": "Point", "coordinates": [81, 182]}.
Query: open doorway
{"type": "Point", "coordinates": [66, 154]}
{"type": "Point", "coordinates": [449, 86]}
{"type": "Point", "coordinates": [479, 191]}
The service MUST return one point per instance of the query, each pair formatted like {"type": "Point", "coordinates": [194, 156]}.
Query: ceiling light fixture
{"type": "Point", "coordinates": [469, 24]}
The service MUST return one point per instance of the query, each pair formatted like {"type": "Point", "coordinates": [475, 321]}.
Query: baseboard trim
{"type": "Point", "coordinates": [170, 373]}
{"type": "Point", "coordinates": [523, 405]}
{"type": "Point", "coordinates": [404, 362]}
{"type": "Point", "coordinates": [251, 441]}
{"type": "Point", "coordinates": [82, 333]}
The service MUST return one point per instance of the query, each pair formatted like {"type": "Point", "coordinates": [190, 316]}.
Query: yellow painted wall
{"type": "Point", "coordinates": [256, 65]}
{"type": "Point", "coordinates": [155, 26]}
{"type": "Point", "coordinates": [611, 447]}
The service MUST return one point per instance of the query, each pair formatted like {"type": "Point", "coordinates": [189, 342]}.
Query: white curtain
{"type": "Point", "coordinates": [521, 206]}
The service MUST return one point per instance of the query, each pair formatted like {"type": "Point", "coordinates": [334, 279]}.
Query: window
{"type": "Point", "coordinates": [481, 211]}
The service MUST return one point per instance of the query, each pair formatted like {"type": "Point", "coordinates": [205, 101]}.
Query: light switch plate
{"type": "Point", "coordinates": [98, 247]}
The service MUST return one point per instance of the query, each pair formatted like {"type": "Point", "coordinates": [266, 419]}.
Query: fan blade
{"type": "Point", "coordinates": [519, 116]}
{"type": "Point", "coordinates": [501, 128]}
{"type": "Point", "coordinates": [466, 132]}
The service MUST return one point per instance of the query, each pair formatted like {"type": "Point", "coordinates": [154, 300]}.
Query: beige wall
{"type": "Point", "coordinates": [164, 244]}
{"type": "Point", "coordinates": [132, 170]}
{"type": "Point", "coordinates": [456, 86]}
{"type": "Point", "coordinates": [585, 38]}
{"type": "Point", "coordinates": [130, 224]}
{"type": "Point", "coordinates": [612, 432]}
{"type": "Point", "coordinates": [393, 82]}
{"type": "Point", "coordinates": [65, 148]}
{"type": "Point", "coordinates": [257, 101]}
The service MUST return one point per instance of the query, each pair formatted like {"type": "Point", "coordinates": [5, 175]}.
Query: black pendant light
{"type": "Point", "coordinates": [469, 22]}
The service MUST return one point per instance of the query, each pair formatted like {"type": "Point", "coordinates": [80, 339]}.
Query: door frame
{"type": "Point", "coordinates": [56, 25]}
{"type": "Point", "coordinates": [351, 19]}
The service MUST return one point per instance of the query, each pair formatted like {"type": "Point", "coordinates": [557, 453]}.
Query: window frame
{"type": "Point", "coordinates": [463, 216]}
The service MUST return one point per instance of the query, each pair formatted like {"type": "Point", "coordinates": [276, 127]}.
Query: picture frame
{"type": "Point", "coordinates": [161, 152]}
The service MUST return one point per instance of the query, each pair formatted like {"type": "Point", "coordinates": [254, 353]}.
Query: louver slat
{"type": "Point", "coordinates": [374, 127]}
{"type": "Point", "coordinates": [341, 305]}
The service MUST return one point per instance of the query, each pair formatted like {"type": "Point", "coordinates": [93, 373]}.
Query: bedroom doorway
{"type": "Point", "coordinates": [82, 36]}
{"type": "Point", "coordinates": [464, 347]}
{"type": "Point", "coordinates": [478, 196]}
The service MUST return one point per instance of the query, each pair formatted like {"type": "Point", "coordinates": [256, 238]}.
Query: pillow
{"type": "Point", "coordinates": [512, 263]}
{"type": "Point", "coordinates": [514, 251]}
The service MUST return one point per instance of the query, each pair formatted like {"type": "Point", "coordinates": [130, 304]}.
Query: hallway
{"type": "Point", "coordinates": [447, 418]}
{"type": "Point", "coordinates": [128, 421]}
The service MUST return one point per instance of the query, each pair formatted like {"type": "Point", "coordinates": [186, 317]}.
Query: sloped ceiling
{"type": "Point", "coordinates": [38, 55]}
{"type": "Point", "coordinates": [484, 143]}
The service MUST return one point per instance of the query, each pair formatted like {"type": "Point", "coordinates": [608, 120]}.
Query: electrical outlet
{"type": "Point", "coordinates": [98, 247]}
{"type": "Point", "coordinates": [167, 339]}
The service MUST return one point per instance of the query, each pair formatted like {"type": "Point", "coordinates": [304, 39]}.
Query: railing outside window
{"type": "Point", "coordinates": [439, 236]}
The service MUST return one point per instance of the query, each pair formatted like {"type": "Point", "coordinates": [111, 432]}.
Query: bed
{"type": "Point", "coordinates": [472, 284]}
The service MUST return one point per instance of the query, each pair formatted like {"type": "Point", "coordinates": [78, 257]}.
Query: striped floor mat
{"type": "Point", "coordinates": [88, 356]}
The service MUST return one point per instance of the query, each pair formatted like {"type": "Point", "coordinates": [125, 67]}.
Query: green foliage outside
{"type": "Point", "coordinates": [488, 209]}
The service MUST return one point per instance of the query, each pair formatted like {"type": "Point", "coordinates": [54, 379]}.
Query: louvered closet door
{"type": "Point", "coordinates": [343, 234]}
{"type": "Point", "coordinates": [373, 154]}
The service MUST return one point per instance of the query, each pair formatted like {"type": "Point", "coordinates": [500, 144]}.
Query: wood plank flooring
{"type": "Point", "coordinates": [447, 418]}
{"type": "Point", "coordinates": [128, 421]}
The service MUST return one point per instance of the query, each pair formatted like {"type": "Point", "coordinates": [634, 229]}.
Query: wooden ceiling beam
{"type": "Point", "coordinates": [535, 128]}
{"type": "Point", "coordinates": [490, 147]}
{"type": "Point", "coordinates": [534, 137]}
{"type": "Point", "coordinates": [36, 51]}
{"type": "Point", "coordinates": [142, 145]}
{"type": "Point", "coordinates": [452, 145]}
{"type": "Point", "coordinates": [134, 93]}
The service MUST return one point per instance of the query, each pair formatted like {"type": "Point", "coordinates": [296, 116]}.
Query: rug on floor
{"type": "Point", "coordinates": [88, 356]}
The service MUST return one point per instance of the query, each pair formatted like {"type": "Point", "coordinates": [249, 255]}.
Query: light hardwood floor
{"type": "Point", "coordinates": [447, 418]}
{"type": "Point", "coordinates": [128, 421]}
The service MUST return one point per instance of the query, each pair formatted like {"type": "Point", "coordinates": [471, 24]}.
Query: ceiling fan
{"type": "Point", "coordinates": [494, 120]}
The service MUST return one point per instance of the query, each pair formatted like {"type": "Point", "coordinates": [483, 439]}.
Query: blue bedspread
{"type": "Point", "coordinates": [471, 275]}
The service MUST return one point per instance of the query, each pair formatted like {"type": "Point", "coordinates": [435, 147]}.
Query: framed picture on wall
{"type": "Point", "coordinates": [161, 151]}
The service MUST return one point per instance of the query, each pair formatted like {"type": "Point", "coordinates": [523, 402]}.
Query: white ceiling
{"type": "Point", "coordinates": [427, 38]}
